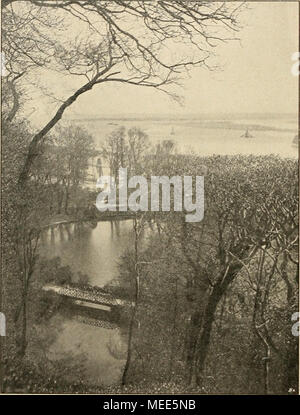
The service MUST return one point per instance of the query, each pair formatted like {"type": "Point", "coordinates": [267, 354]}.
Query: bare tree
{"type": "Point", "coordinates": [138, 226]}
{"type": "Point", "coordinates": [26, 252]}
{"type": "Point", "coordinates": [27, 45]}
{"type": "Point", "coordinates": [130, 42]}
{"type": "Point", "coordinates": [114, 151]}
{"type": "Point", "coordinates": [138, 145]}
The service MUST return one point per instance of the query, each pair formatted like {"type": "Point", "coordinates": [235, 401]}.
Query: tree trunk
{"type": "Point", "coordinates": [204, 339]}
{"type": "Point", "coordinates": [129, 346]}
{"type": "Point", "coordinates": [23, 339]}
{"type": "Point", "coordinates": [59, 200]}
{"type": "Point", "coordinates": [136, 298]}
{"type": "Point", "coordinates": [267, 369]}
{"type": "Point", "coordinates": [195, 325]}
{"type": "Point", "coordinates": [67, 201]}
{"type": "Point", "coordinates": [218, 290]}
{"type": "Point", "coordinates": [171, 363]}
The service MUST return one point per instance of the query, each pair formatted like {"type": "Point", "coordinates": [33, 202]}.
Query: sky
{"type": "Point", "coordinates": [254, 77]}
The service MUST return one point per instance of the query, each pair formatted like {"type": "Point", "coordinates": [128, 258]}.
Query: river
{"type": "Point", "coordinates": [206, 136]}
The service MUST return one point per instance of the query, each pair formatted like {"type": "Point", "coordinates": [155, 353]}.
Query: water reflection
{"type": "Point", "coordinates": [103, 366]}
{"type": "Point", "coordinates": [93, 249]}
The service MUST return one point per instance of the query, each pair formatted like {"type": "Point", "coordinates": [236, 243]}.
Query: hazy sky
{"type": "Point", "coordinates": [255, 77]}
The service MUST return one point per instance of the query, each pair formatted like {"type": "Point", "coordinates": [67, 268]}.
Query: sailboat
{"type": "Point", "coordinates": [247, 134]}
{"type": "Point", "coordinates": [295, 141]}
{"type": "Point", "coordinates": [172, 131]}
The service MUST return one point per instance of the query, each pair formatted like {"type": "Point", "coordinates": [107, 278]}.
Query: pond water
{"type": "Point", "coordinates": [94, 250]}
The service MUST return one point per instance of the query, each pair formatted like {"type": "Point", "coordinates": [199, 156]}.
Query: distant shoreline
{"type": "Point", "coordinates": [192, 116]}
{"type": "Point", "coordinates": [203, 123]}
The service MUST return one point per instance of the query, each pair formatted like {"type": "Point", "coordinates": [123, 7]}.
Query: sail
{"type": "Point", "coordinates": [247, 134]}
{"type": "Point", "coordinates": [295, 140]}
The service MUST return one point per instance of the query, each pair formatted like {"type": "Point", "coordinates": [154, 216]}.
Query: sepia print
{"type": "Point", "coordinates": [149, 193]}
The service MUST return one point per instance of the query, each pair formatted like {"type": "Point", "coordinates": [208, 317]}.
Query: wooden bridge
{"type": "Point", "coordinates": [88, 298]}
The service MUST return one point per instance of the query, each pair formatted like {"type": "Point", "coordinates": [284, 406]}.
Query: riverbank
{"type": "Point", "coordinates": [64, 219]}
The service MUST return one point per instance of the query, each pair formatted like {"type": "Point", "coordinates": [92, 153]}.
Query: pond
{"type": "Point", "coordinates": [95, 250]}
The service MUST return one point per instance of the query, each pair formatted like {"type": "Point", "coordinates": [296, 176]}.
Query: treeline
{"type": "Point", "coordinates": [217, 296]}
{"type": "Point", "coordinates": [214, 300]}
